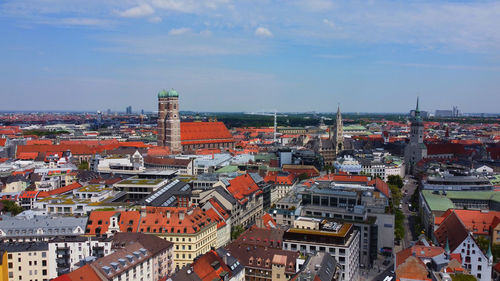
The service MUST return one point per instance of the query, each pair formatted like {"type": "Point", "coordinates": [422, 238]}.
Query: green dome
{"type": "Point", "coordinates": [168, 94]}
{"type": "Point", "coordinates": [162, 94]}
{"type": "Point", "coordinates": [173, 93]}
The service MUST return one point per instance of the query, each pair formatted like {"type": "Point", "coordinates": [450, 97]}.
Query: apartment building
{"type": "Point", "coordinates": [192, 231]}
{"type": "Point", "coordinates": [73, 252]}
{"type": "Point", "coordinates": [39, 228]}
{"type": "Point", "coordinates": [136, 257]}
{"type": "Point", "coordinates": [29, 261]}
{"type": "Point", "coordinates": [341, 241]}
{"type": "Point", "coordinates": [248, 194]}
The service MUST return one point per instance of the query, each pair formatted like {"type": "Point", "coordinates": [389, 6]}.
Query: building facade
{"type": "Point", "coordinates": [169, 121]}
{"type": "Point", "coordinates": [416, 149]}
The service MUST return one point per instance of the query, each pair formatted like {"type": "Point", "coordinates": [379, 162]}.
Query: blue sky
{"type": "Point", "coordinates": [255, 55]}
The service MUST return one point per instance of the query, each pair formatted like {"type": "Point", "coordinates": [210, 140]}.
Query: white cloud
{"type": "Point", "coordinates": [328, 22]}
{"type": "Point", "coordinates": [190, 44]}
{"type": "Point", "coordinates": [179, 31]}
{"type": "Point", "coordinates": [330, 56]}
{"type": "Point", "coordinates": [185, 6]}
{"type": "Point", "coordinates": [155, 19]}
{"type": "Point", "coordinates": [263, 32]}
{"type": "Point", "coordinates": [81, 22]}
{"type": "Point", "coordinates": [316, 5]}
{"type": "Point", "coordinates": [138, 11]}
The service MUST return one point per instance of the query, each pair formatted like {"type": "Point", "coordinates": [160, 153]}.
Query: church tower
{"type": "Point", "coordinates": [169, 122]}
{"type": "Point", "coordinates": [338, 137]}
{"type": "Point", "coordinates": [416, 149]}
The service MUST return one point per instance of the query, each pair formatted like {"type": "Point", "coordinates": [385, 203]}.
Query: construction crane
{"type": "Point", "coordinates": [275, 114]}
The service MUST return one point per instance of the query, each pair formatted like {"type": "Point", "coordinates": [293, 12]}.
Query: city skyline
{"type": "Point", "coordinates": [230, 57]}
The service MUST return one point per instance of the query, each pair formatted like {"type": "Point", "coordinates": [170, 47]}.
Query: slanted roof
{"type": "Point", "coordinates": [204, 131]}
{"type": "Point", "coordinates": [452, 229]}
{"type": "Point", "coordinates": [242, 186]}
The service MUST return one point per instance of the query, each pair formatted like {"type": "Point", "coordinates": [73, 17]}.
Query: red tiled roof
{"type": "Point", "coordinates": [279, 178]}
{"type": "Point", "coordinates": [128, 219]}
{"type": "Point", "coordinates": [419, 251]}
{"type": "Point", "coordinates": [297, 170]}
{"type": "Point", "coordinates": [219, 208]}
{"type": "Point", "coordinates": [27, 155]}
{"type": "Point", "coordinates": [3, 141]}
{"type": "Point", "coordinates": [475, 221]}
{"type": "Point", "coordinates": [79, 147]}
{"type": "Point", "coordinates": [38, 142]}
{"type": "Point", "coordinates": [242, 186]}
{"type": "Point", "coordinates": [85, 272]}
{"type": "Point", "coordinates": [28, 194]}
{"type": "Point", "coordinates": [197, 131]}
{"type": "Point", "coordinates": [60, 190]}
{"type": "Point", "coordinates": [452, 229]}
{"type": "Point", "coordinates": [381, 186]}
{"type": "Point", "coordinates": [215, 217]}
{"type": "Point", "coordinates": [497, 267]}
{"type": "Point", "coordinates": [204, 269]}
{"type": "Point", "coordinates": [268, 221]}
{"type": "Point", "coordinates": [169, 220]}
{"type": "Point", "coordinates": [445, 148]}
{"type": "Point", "coordinates": [158, 151]}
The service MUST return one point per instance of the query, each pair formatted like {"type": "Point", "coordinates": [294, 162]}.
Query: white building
{"type": "Point", "coordinates": [341, 241]}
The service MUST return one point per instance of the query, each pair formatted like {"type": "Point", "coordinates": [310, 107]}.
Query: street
{"type": "Point", "coordinates": [409, 187]}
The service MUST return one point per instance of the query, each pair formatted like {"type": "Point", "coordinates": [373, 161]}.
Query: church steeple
{"type": "Point", "coordinates": [447, 248]}
{"type": "Point", "coordinates": [338, 140]}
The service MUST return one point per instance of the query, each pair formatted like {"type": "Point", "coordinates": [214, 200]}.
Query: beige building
{"type": "Point", "coordinates": [29, 261]}
{"type": "Point", "coordinates": [192, 231]}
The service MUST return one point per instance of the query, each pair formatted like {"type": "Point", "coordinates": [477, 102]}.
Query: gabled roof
{"type": "Point", "coordinates": [215, 217]}
{"type": "Point", "coordinates": [173, 220]}
{"type": "Point", "coordinates": [418, 251]}
{"type": "Point", "coordinates": [280, 177]}
{"type": "Point", "coordinates": [413, 269]}
{"type": "Point", "coordinates": [27, 194]}
{"type": "Point", "coordinates": [211, 266]}
{"type": "Point", "coordinates": [268, 221]}
{"type": "Point", "coordinates": [152, 243]}
{"type": "Point", "coordinates": [60, 190]}
{"type": "Point", "coordinates": [242, 186]}
{"type": "Point", "coordinates": [127, 220]}
{"type": "Point", "coordinates": [452, 229]}
{"type": "Point", "coordinates": [197, 131]}
{"type": "Point", "coordinates": [85, 272]}
{"type": "Point", "coordinates": [476, 221]}
{"type": "Point", "coordinates": [381, 186]}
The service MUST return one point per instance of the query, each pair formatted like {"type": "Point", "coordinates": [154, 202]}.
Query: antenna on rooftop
{"type": "Point", "coordinates": [275, 126]}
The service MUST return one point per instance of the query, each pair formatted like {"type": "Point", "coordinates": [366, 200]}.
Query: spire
{"type": "Point", "coordinates": [489, 255]}
{"type": "Point", "coordinates": [447, 248]}
{"type": "Point", "coordinates": [417, 109]}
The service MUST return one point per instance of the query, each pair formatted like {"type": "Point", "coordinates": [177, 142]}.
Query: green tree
{"type": "Point", "coordinates": [396, 195]}
{"type": "Point", "coordinates": [399, 229]}
{"type": "Point", "coordinates": [84, 165]}
{"type": "Point", "coordinates": [395, 180]}
{"type": "Point", "coordinates": [11, 207]}
{"type": "Point", "coordinates": [303, 176]}
{"type": "Point", "coordinates": [483, 243]}
{"type": "Point", "coordinates": [236, 231]}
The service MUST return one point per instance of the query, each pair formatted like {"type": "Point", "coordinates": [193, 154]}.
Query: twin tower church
{"type": "Point", "coordinates": [187, 136]}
